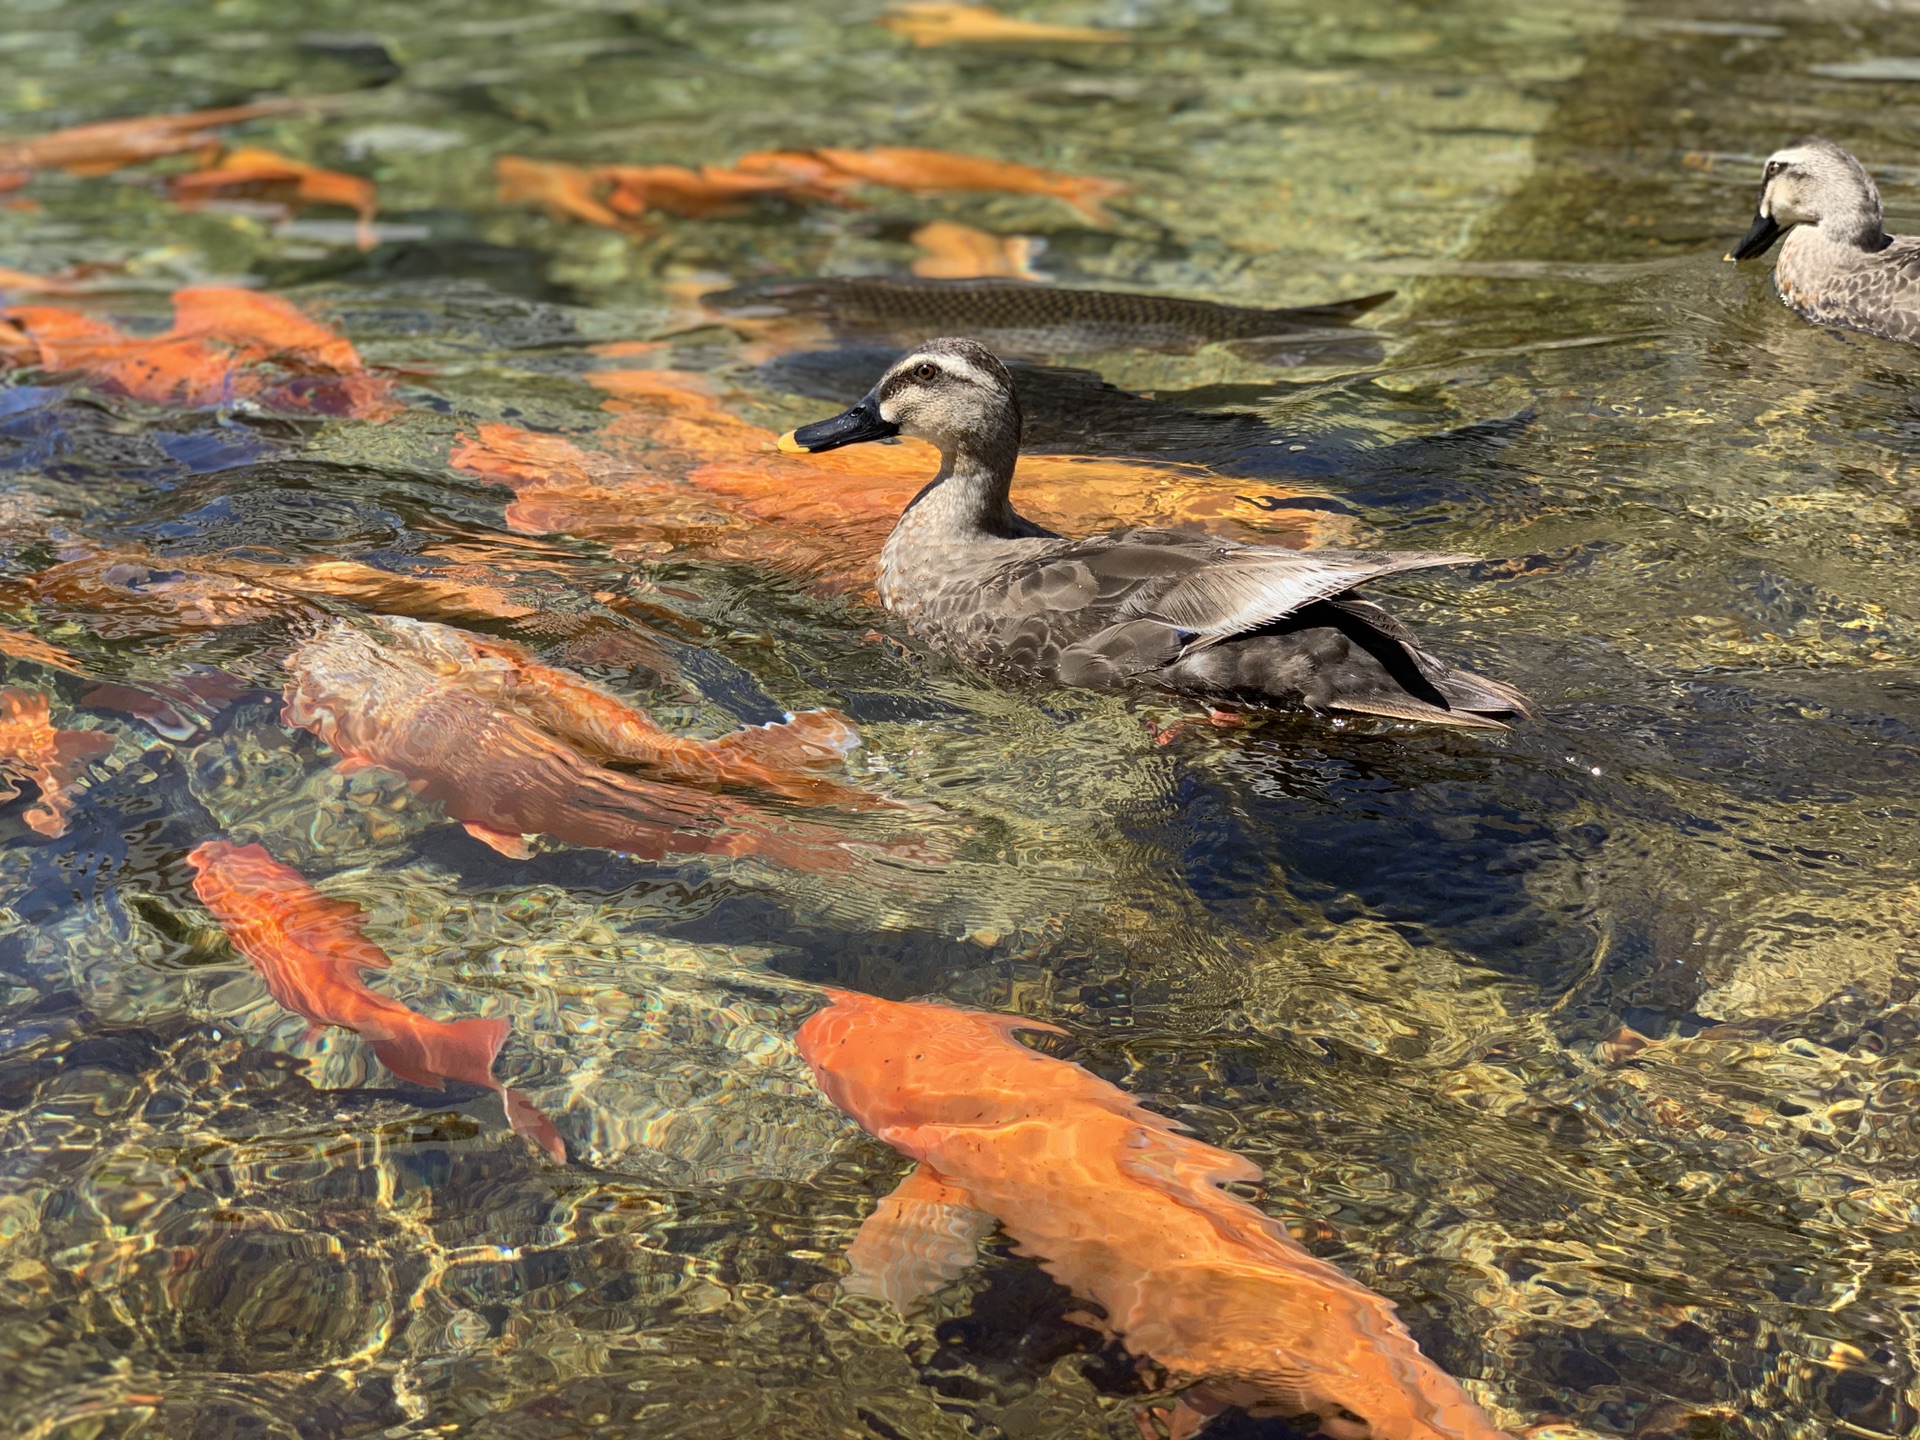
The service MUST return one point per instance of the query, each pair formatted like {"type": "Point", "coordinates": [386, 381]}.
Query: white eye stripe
{"type": "Point", "coordinates": [964, 369]}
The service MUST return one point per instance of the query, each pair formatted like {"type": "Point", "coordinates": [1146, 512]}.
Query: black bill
{"type": "Point", "coordinates": [1758, 239]}
{"type": "Point", "coordinates": [861, 423]}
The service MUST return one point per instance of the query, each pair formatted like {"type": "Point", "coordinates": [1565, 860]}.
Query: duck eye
{"type": "Point", "coordinates": [925, 370]}
{"type": "Point", "coordinates": [1774, 167]}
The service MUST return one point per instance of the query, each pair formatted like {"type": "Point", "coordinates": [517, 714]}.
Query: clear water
{"type": "Point", "coordinates": [1378, 960]}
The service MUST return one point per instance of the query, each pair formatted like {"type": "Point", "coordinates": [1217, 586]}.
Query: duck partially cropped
{"type": "Point", "coordinates": [1169, 610]}
{"type": "Point", "coordinates": [1838, 265]}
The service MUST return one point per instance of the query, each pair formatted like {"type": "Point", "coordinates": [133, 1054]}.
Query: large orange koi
{"type": "Point", "coordinates": [310, 952]}
{"type": "Point", "coordinates": [678, 469]}
{"type": "Point", "coordinates": [1123, 1211]}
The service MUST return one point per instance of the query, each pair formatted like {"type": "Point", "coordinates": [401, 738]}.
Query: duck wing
{"type": "Point", "coordinates": [1244, 587]}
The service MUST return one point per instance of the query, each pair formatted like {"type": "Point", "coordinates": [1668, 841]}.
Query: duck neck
{"type": "Point", "coordinates": [1859, 225]}
{"type": "Point", "coordinates": [969, 497]}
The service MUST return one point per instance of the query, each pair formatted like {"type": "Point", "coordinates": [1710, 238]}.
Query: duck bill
{"type": "Point", "coordinates": [854, 427]}
{"type": "Point", "coordinates": [1758, 240]}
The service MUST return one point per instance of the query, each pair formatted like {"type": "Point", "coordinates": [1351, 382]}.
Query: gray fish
{"type": "Point", "coordinates": [1038, 321]}
{"type": "Point", "coordinates": [1167, 610]}
{"type": "Point", "coordinates": [1838, 265]}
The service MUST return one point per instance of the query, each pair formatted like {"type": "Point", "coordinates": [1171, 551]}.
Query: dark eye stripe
{"type": "Point", "coordinates": [940, 374]}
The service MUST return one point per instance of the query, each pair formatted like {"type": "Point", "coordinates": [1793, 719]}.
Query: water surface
{"type": "Point", "coordinates": [1383, 962]}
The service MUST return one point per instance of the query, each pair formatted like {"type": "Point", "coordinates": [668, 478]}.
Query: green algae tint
{"type": "Point", "coordinates": [1389, 966]}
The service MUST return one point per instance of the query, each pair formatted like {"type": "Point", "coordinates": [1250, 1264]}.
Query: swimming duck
{"type": "Point", "coordinates": [1838, 266]}
{"type": "Point", "coordinates": [1169, 610]}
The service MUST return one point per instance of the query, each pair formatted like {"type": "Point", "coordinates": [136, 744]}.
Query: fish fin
{"type": "Point", "coordinates": [432, 1052]}
{"type": "Point", "coordinates": [921, 1237]}
{"type": "Point", "coordinates": [514, 847]}
{"type": "Point", "coordinates": [1011, 1025]}
{"type": "Point", "coordinates": [1175, 1163]}
{"type": "Point", "coordinates": [532, 1124]}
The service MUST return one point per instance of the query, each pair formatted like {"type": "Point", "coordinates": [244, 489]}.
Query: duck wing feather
{"type": "Point", "coordinates": [1239, 588]}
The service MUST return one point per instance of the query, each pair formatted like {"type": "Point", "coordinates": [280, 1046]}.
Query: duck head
{"type": "Point", "coordinates": [952, 392]}
{"type": "Point", "coordinates": [1814, 183]}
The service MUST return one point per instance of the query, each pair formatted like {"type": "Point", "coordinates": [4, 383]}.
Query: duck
{"type": "Point", "coordinates": [1838, 266]}
{"type": "Point", "coordinates": [1223, 622]}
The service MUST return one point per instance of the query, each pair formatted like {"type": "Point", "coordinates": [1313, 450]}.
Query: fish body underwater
{"type": "Point", "coordinates": [310, 952]}
{"type": "Point", "coordinates": [415, 700]}
{"type": "Point", "coordinates": [1123, 1211]}
{"type": "Point", "coordinates": [1017, 317]}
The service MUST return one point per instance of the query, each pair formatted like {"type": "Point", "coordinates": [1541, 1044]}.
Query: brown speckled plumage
{"type": "Point", "coordinates": [1838, 266]}
{"type": "Point", "coordinates": [1169, 610]}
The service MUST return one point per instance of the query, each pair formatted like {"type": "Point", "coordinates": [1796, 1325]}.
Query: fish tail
{"type": "Point", "coordinates": [1085, 192]}
{"type": "Point", "coordinates": [809, 740]}
{"type": "Point", "coordinates": [432, 1052]}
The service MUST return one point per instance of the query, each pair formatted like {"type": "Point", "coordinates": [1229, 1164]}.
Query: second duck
{"type": "Point", "coordinates": [1170, 610]}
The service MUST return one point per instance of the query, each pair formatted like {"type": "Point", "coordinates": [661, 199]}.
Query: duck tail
{"type": "Point", "coordinates": [1414, 685]}
{"type": "Point", "coordinates": [1478, 695]}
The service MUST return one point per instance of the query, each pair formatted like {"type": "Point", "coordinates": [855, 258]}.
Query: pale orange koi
{"type": "Point", "coordinates": [110, 144]}
{"type": "Point", "coordinates": [1123, 1211]}
{"type": "Point", "coordinates": [390, 701]}
{"type": "Point", "coordinates": [907, 167]}
{"type": "Point", "coordinates": [310, 951]}
{"type": "Point", "coordinates": [566, 192]}
{"type": "Point", "coordinates": [31, 749]}
{"type": "Point", "coordinates": [800, 167]}
{"type": "Point", "coordinates": [951, 251]}
{"type": "Point", "coordinates": [709, 190]}
{"type": "Point", "coordinates": [790, 760]}
{"type": "Point", "coordinates": [935, 23]}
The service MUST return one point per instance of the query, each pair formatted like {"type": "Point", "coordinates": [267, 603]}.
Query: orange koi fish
{"type": "Point", "coordinates": [108, 145]}
{"type": "Point", "coordinates": [679, 470]}
{"type": "Point", "coordinates": [263, 174]}
{"type": "Point", "coordinates": [261, 327]}
{"type": "Point", "coordinates": [906, 167]}
{"type": "Point", "coordinates": [211, 354]}
{"type": "Point", "coordinates": [950, 251]}
{"type": "Point", "coordinates": [709, 190]}
{"type": "Point", "coordinates": [392, 701]}
{"type": "Point", "coordinates": [31, 749]}
{"type": "Point", "coordinates": [121, 593]}
{"type": "Point", "coordinates": [310, 951]}
{"type": "Point", "coordinates": [800, 167]}
{"type": "Point", "coordinates": [1123, 1211]}
{"type": "Point", "coordinates": [789, 760]}
{"type": "Point", "coordinates": [935, 23]}
{"type": "Point", "coordinates": [24, 646]}
{"type": "Point", "coordinates": [25, 284]}
{"type": "Point", "coordinates": [566, 192]}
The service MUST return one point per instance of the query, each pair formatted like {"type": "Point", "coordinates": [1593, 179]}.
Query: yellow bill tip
{"type": "Point", "coordinates": [1731, 258]}
{"type": "Point", "coordinates": [787, 445]}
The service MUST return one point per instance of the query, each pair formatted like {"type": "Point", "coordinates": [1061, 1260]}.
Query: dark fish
{"type": "Point", "coordinates": [1018, 318]}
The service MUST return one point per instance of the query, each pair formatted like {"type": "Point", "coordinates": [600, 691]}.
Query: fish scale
{"type": "Point", "coordinates": [1048, 318]}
